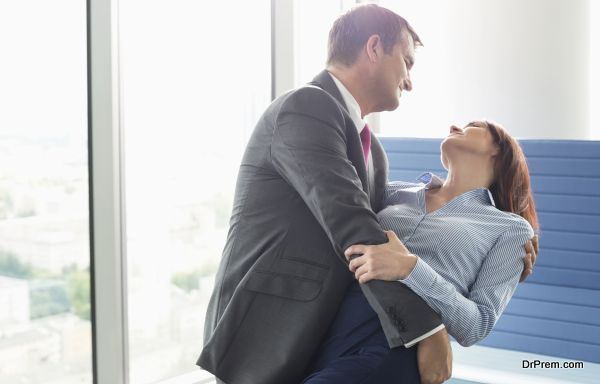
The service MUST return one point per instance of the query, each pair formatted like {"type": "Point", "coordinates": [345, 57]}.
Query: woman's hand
{"type": "Point", "coordinates": [532, 248]}
{"type": "Point", "coordinates": [389, 261]}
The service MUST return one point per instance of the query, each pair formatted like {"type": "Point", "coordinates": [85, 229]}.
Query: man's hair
{"type": "Point", "coordinates": [351, 31]}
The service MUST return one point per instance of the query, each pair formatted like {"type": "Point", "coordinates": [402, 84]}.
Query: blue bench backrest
{"type": "Point", "coordinates": [557, 310]}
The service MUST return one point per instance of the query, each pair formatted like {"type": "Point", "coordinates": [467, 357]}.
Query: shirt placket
{"type": "Point", "coordinates": [422, 214]}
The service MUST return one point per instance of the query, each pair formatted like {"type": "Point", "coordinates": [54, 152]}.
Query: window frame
{"type": "Point", "coordinates": [107, 251]}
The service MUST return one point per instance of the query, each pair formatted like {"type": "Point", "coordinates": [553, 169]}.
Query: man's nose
{"type": "Point", "coordinates": [407, 85]}
{"type": "Point", "coordinates": [454, 128]}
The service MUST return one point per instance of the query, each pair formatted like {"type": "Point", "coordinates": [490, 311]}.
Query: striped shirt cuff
{"type": "Point", "coordinates": [421, 279]}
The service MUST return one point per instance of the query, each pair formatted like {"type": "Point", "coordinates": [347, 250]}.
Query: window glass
{"type": "Point", "coordinates": [196, 77]}
{"type": "Point", "coordinates": [45, 329]}
{"type": "Point", "coordinates": [312, 21]}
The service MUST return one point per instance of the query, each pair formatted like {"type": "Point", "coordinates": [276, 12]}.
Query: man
{"type": "Point", "coordinates": [309, 183]}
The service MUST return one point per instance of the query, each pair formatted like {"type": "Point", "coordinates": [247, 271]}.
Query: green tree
{"type": "Point", "coordinates": [47, 298]}
{"type": "Point", "coordinates": [11, 266]}
{"type": "Point", "coordinates": [6, 204]}
{"type": "Point", "coordinates": [188, 281]}
{"type": "Point", "coordinates": [78, 288]}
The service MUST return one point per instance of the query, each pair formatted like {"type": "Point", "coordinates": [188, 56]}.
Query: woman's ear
{"type": "Point", "coordinates": [495, 150]}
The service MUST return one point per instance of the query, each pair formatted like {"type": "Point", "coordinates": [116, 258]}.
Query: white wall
{"type": "Point", "coordinates": [524, 64]}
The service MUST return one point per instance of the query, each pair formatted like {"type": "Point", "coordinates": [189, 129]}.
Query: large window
{"type": "Point", "coordinates": [45, 331]}
{"type": "Point", "coordinates": [195, 79]}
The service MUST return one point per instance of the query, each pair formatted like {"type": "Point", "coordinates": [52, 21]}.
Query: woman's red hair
{"type": "Point", "coordinates": [511, 188]}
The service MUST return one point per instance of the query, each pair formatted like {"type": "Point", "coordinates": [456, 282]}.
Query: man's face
{"type": "Point", "coordinates": [393, 74]}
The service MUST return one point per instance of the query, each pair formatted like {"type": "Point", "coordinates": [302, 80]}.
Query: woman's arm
{"type": "Point", "coordinates": [470, 319]}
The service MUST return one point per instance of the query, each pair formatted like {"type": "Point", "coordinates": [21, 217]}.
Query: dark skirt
{"type": "Point", "coordinates": [355, 350]}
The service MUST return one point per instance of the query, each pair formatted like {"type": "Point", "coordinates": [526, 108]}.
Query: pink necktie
{"type": "Point", "coordinates": [365, 139]}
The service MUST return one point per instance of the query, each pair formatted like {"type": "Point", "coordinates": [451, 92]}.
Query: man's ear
{"type": "Point", "coordinates": [374, 48]}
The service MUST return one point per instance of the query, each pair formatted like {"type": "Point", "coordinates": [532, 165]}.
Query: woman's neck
{"type": "Point", "coordinates": [459, 182]}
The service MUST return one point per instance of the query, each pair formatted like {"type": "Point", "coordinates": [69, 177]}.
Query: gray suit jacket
{"type": "Point", "coordinates": [303, 196]}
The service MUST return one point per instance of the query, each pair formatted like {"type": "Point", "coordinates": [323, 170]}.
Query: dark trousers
{"type": "Point", "coordinates": [399, 366]}
{"type": "Point", "coordinates": [355, 350]}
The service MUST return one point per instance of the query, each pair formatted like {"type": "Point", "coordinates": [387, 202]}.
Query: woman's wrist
{"type": "Point", "coordinates": [408, 265]}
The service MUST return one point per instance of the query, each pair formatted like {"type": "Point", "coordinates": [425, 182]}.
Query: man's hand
{"type": "Point", "coordinates": [389, 261]}
{"type": "Point", "coordinates": [434, 356]}
{"type": "Point", "coordinates": [531, 250]}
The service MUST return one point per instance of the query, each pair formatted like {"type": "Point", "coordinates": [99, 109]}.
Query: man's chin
{"type": "Point", "coordinates": [394, 105]}
{"type": "Point", "coordinates": [391, 105]}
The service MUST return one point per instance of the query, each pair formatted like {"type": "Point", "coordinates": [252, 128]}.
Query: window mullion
{"type": "Point", "coordinates": [106, 202]}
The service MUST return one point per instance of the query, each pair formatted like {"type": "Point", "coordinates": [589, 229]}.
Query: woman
{"type": "Point", "coordinates": [459, 246]}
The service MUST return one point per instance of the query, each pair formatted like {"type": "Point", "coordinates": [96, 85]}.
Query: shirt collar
{"type": "Point", "coordinates": [351, 104]}
{"type": "Point", "coordinates": [433, 181]}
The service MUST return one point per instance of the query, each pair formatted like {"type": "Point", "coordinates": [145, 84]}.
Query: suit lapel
{"type": "Point", "coordinates": [324, 81]}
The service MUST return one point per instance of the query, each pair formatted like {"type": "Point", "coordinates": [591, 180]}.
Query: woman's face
{"type": "Point", "coordinates": [474, 140]}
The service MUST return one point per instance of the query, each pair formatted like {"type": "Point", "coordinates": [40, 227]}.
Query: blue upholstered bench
{"type": "Point", "coordinates": [556, 312]}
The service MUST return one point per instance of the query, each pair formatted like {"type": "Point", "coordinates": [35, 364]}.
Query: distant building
{"type": "Point", "coordinates": [14, 302]}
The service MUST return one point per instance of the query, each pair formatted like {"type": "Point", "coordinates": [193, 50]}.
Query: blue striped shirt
{"type": "Point", "coordinates": [470, 254]}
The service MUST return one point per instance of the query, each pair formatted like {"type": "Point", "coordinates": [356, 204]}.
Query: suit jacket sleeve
{"type": "Point", "coordinates": [310, 151]}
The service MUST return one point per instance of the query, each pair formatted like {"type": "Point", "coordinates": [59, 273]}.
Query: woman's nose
{"type": "Point", "coordinates": [407, 85]}
{"type": "Point", "coordinates": [454, 128]}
